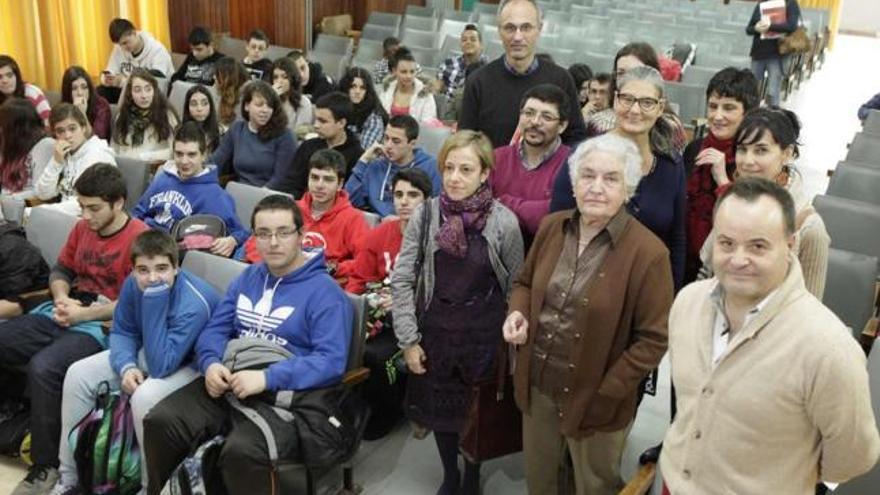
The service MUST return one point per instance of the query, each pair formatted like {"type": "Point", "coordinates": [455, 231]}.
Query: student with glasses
{"type": "Point", "coordinates": [490, 95]}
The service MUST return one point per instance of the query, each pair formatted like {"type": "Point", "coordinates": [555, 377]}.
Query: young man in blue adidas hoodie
{"type": "Point", "coordinates": [370, 185]}
{"type": "Point", "coordinates": [186, 186]}
{"type": "Point", "coordinates": [289, 307]}
{"type": "Point", "coordinates": [160, 312]}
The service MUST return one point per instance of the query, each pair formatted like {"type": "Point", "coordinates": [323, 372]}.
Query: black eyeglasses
{"type": "Point", "coordinates": [646, 103]}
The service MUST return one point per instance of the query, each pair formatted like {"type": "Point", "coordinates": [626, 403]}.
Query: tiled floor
{"type": "Point", "coordinates": [826, 104]}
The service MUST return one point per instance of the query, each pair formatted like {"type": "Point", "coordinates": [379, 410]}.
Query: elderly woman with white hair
{"type": "Point", "coordinates": [588, 313]}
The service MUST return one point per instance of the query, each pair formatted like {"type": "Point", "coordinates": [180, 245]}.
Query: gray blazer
{"type": "Point", "coordinates": [505, 254]}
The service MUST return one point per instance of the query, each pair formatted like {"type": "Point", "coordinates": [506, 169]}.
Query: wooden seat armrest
{"type": "Point", "coordinates": [641, 482]}
{"type": "Point", "coordinates": [356, 376]}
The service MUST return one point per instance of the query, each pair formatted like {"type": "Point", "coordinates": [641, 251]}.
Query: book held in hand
{"type": "Point", "coordinates": [774, 10]}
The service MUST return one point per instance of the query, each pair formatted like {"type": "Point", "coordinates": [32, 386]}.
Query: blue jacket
{"type": "Point", "coordinates": [164, 321]}
{"type": "Point", "coordinates": [370, 183]}
{"type": "Point", "coordinates": [304, 311]}
{"type": "Point", "coordinates": [170, 199]}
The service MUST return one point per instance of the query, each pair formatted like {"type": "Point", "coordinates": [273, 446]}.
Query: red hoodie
{"type": "Point", "coordinates": [376, 258]}
{"type": "Point", "coordinates": [339, 231]}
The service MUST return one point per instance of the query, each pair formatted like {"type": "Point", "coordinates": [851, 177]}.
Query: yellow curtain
{"type": "Point", "coordinates": [47, 36]}
{"type": "Point", "coordinates": [833, 7]}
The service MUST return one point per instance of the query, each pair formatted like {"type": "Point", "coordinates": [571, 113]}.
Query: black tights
{"type": "Point", "coordinates": [447, 445]}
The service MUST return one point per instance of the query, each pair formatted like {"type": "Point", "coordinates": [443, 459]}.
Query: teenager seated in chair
{"type": "Point", "coordinates": [188, 186]}
{"type": "Point", "coordinates": [67, 328]}
{"type": "Point", "coordinates": [371, 275]}
{"type": "Point", "coordinates": [25, 150]}
{"type": "Point", "coordinates": [331, 223]}
{"type": "Point", "coordinates": [258, 148]}
{"type": "Point", "coordinates": [332, 113]}
{"type": "Point", "coordinates": [198, 67]}
{"type": "Point", "coordinates": [255, 62]}
{"type": "Point", "coordinates": [76, 150]}
{"type": "Point", "coordinates": [369, 186]}
{"type": "Point", "coordinates": [133, 49]}
{"type": "Point", "coordinates": [160, 313]}
{"type": "Point", "coordinates": [77, 88]}
{"type": "Point", "coordinates": [288, 307]}
{"type": "Point", "coordinates": [145, 124]}
{"type": "Point", "coordinates": [198, 106]}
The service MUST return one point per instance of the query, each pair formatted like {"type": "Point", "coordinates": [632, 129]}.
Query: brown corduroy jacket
{"type": "Point", "coordinates": [621, 325]}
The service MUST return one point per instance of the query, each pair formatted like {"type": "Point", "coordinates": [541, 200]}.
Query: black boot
{"type": "Point", "coordinates": [471, 483]}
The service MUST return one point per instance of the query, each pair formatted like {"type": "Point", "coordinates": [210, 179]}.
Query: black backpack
{"type": "Point", "coordinates": [22, 267]}
{"type": "Point", "coordinates": [14, 424]}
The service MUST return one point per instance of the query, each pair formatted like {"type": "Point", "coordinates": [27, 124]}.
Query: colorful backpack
{"type": "Point", "coordinates": [198, 474]}
{"type": "Point", "coordinates": [105, 448]}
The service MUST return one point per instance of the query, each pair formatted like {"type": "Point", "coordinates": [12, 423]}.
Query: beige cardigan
{"type": "Point", "coordinates": [787, 405]}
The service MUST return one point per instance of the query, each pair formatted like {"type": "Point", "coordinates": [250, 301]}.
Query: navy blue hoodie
{"type": "Point", "coordinates": [304, 311]}
{"type": "Point", "coordinates": [169, 199]}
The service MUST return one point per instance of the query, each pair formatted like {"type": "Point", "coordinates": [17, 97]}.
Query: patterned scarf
{"type": "Point", "coordinates": [470, 213]}
{"type": "Point", "coordinates": [138, 123]}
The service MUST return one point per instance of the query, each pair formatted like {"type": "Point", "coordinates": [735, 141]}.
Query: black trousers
{"type": "Point", "coordinates": [187, 418]}
{"type": "Point", "coordinates": [46, 350]}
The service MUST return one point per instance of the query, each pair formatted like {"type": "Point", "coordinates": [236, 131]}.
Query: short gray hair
{"type": "Point", "coordinates": [662, 135]}
{"type": "Point", "coordinates": [621, 147]}
{"type": "Point", "coordinates": [505, 3]}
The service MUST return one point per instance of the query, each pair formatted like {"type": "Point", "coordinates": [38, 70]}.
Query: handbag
{"type": "Point", "coordinates": [796, 42]}
{"type": "Point", "coordinates": [493, 425]}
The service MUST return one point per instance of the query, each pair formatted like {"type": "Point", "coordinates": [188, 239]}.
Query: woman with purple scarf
{"type": "Point", "coordinates": [450, 287]}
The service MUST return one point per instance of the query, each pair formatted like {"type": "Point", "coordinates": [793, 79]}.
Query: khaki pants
{"type": "Point", "coordinates": [596, 458]}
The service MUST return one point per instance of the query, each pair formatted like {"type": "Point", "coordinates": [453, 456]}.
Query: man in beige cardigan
{"type": "Point", "coordinates": [772, 389]}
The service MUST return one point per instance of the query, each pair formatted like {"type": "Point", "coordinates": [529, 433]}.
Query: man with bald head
{"type": "Point", "coordinates": [491, 93]}
{"type": "Point", "coordinates": [772, 388]}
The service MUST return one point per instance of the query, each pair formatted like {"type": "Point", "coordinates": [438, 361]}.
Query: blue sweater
{"type": "Point", "coordinates": [659, 204]}
{"type": "Point", "coordinates": [254, 162]}
{"type": "Point", "coordinates": [162, 320]}
{"type": "Point", "coordinates": [169, 199]}
{"type": "Point", "coordinates": [370, 183]}
{"type": "Point", "coordinates": [304, 311]}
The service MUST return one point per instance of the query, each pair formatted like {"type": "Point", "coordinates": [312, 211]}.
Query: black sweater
{"type": "Point", "coordinates": [296, 180]}
{"type": "Point", "coordinates": [492, 96]}
{"type": "Point", "coordinates": [764, 49]}
{"type": "Point", "coordinates": [197, 71]}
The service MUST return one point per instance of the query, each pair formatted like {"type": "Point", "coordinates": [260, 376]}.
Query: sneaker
{"type": "Point", "coordinates": [39, 481]}
{"type": "Point", "coordinates": [61, 489]}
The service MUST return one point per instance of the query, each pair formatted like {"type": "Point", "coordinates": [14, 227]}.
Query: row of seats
{"type": "Point", "coordinates": [851, 212]}
{"type": "Point", "coordinates": [48, 229]}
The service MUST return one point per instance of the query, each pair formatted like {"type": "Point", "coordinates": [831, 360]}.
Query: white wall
{"type": "Point", "coordinates": [860, 15]}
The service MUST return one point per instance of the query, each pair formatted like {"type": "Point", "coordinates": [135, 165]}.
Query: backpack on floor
{"type": "Point", "coordinates": [198, 474]}
{"type": "Point", "coordinates": [14, 420]}
{"type": "Point", "coordinates": [105, 447]}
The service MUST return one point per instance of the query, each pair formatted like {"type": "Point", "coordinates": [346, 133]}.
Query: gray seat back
{"type": "Point", "coordinates": [431, 139]}
{"type": "Point", "coordinates": [856, 182]}
{"type": "Point", "coordinates": [864, 148]}
{"type": "Point", "coordinates": [853, 225]}
{"type": "Point", "coordinates": [137, 176]}
{"type": "Point", "coordinates": [246, 198]}
{"type": "Point", "coordinates": [216, 270]}
{"type": "Point", "coordinates": [849, 287]}
{"type": "Point", "coordinates": [868, 482]}
{"type": "Point", "coordinates": [48, 228]}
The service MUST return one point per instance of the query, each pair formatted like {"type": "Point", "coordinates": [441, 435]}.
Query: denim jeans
{"type": "Point", "coordinates": [773, 66]}
{"type": "Point", "coordinates": [47, 350]}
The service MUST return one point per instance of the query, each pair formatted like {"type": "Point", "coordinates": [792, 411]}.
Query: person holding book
{"type": "Point", "coordinates": [770, 22]}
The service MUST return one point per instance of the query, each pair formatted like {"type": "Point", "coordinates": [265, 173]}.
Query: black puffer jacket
{"type": "Point", "coordinates": [22, 268]}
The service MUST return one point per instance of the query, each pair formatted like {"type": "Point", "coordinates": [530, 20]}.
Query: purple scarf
{"type": "Point", "coordinates": [470, 213]}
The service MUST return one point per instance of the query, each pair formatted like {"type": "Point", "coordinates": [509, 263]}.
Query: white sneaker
{"type": "Point", "coordinates": [61, 489]}
{"type": "Point", "coordinates": [39, 481]}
